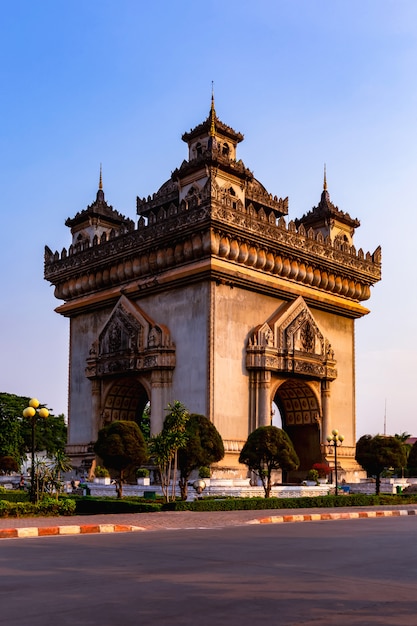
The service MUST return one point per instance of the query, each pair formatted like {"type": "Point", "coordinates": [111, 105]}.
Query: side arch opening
{"type": "Point", "coordinates": [126, 399]}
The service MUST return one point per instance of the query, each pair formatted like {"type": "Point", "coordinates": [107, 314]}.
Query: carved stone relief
{"type": "Point", "coordinates": [130, 342]}
{"type": "Point", "coordinates": [291, 342]}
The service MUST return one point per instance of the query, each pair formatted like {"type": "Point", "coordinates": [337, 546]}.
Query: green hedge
{"type": "Point", "coordinates": [15, 496]}
{"type": "Point", "coordinates": [90, 505]}
{"type": "Point", "coordinates": [46, 507]}
{"type": "Point", "coordinates": [253, 504]}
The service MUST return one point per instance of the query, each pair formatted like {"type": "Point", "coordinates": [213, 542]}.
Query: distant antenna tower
{"type": "Point", "coordinates": [385, 418]}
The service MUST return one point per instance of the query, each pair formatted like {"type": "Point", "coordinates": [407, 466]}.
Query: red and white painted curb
{"type": "Point", "coordinates": [318, 517]}
{"type": "Point", "coordinates": [85, 529]}
{"type": "Point", "coordinates": [89, 529]}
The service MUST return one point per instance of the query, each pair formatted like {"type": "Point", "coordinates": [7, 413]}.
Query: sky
{"type": "Point", "coordinates": [307, 82]}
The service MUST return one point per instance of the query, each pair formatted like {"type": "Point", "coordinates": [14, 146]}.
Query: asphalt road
{"type": "Point", "coordinates": [355, 572]}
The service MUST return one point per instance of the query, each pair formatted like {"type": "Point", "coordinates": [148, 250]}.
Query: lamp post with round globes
{"type": "Point", "coordinates": [334, 440]}
{"type": "Point", "coordinates": [32, 412]}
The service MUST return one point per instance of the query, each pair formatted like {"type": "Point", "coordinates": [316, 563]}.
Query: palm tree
{"type": "Point", "coordinates": [407, 446]}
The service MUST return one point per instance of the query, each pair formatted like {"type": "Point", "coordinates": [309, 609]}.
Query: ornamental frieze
{"type": "Point", "coordinates": [291, 342]}
{"type": "Point", "coordinates": [130, 342]}
{"type": "Point", "coordinates": [336, 267]}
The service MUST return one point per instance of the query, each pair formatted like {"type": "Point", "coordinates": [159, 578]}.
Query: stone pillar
{"type": "Point", "coordinates": [264, 400]}
{"type": "Point", "coordinates": [160, 398]}
{"type": "Point", "coordinates": [325, 404]}
{"type": "Point", "coordinates": [253, 401]}
{"type": "Point", "coordinates": [95, 407]}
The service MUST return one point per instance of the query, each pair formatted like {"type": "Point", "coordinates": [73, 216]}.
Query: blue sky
{"type": "Point", "coordinates": [308, 82]}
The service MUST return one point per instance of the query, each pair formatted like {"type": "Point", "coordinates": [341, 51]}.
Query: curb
{"type": "Point", "coordinates": [85, 529]}
{"type": "Point", "coordinates": [317, 517]}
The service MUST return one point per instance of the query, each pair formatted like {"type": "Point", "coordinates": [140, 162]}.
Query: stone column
{"type": "Point", "coordinates": [264, 400]}
{"type": "Point", "coordinates": [325, 404]}
{"type": "Point", "coordinates": [95, 407]}
{"type": "Point", "coordinates": [160, 398]}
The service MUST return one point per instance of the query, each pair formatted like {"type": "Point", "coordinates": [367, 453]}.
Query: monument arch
{"type": "Point", "coordinates": [293, 364]}
{"type": "Point", "coordinates": [217, 299]}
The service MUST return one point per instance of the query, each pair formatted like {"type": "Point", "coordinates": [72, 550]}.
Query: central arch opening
{"type": "Point", "coordinates": [299, 411]}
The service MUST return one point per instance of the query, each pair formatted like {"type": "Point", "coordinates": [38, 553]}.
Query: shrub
{"type": "Point", "coordinates": [323, 469]}
{"type": "Point", "coordinates": [253, 504]}
{"type": "Point", "coordinates": [204, 446]}
{"type": "Point", "coordinates": [266, 449]}
{"type": "Point", "coordinates": [8, 464]}
{"type": "Point", "coordinates": [204, 472]}
{"type": "Point", "coordinates": [142, 472]}
{"type": "Point", "coordinates": [101, 472]}
{"type": "Point", "coordinates": [313, 475]}
{"type": "Point", "coordinates": [122, 448]}
{"type": "Point", "coordinates": [46, 507]}
{"type": "Point", "coordinates": [90, 505]}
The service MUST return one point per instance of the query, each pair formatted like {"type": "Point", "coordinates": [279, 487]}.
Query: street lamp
{"type": "Point", "coordinates": [334, 440]}
{"type": "Point", "coordinates": [199, 485]}
{"type": "Point", "coordinates": [32, 412]}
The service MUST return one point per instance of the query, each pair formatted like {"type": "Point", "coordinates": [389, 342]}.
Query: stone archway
{"type": "Point", "coordinates": [130, 363]}
{"type": "Point", "coordinates": [291, 363]}
{"type": "Point", "coordinates": [125, 399]}
{"type": "Point", "coordinates": [300, 414]}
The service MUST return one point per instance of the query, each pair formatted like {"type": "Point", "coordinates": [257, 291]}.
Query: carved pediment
{"type": "Point", "coordinates": [291, 341]}
{"type": "Point", "coordinates": [295, 330]}
{"type": "Point", "coordinates": [130, 341]}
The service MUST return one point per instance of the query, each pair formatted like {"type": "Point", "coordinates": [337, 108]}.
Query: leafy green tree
{"type": "Point", "coordinates": [412, 460]}
{"type": "Point", "coordinates": [204, 446]}
{"type": "Point", "coordinates": [407, 447]}
{"type": "Point", "coordinates": [11, 438]}
{"type": "Point", "coordinates": [375, 454]}
{"type": "Point", "coordinates": [8, 464]}
{"type": "Point", "coordinates": [62, 464]}
{"type": "Point", "coordinates": [164, 446]}
{"type": "Point", "coordinates": [268, 448]}
{"type": "Point", "coordinates": [122, 448]}
{"type": "Point", "coordinates": [144, 422]}
{"type": "Point", "coordinates": [50, 434]}
{"type": "Point", "coordinates": [16, 432]}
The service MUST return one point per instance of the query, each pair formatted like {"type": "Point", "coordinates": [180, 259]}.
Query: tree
{"type": "Point", "coordinates": [16, 432]}
{"type": "Point", "coordinates": [122, 448]}
{"type": "Point", "coordinates": [412, 460]}
{"type": "Point", "coordinates": [164, 447]}
{"type": "Point", "coordinates": [407, 447]}
{"type": "Point", "coordinates": [268, 448]}
{"type": "Point", "coordinates": [61, 465]}
{"type": "Point", "coordinates": [8, 464]}
{"type": "Point", "coordinates": [11, 438]}
{"type": "Point", "coordinates": [204, 446]}
{"type": "Point", "coordinates": [144, 422]}
{"type": "Point", "coordinates": [375, 454]}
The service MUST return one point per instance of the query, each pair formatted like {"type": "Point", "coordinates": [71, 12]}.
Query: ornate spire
{"type": "Point", "coordinates": [325, 179]}
{"type": "Point", "coordinates": [100, 192]}
{"type": "Point", "coordinates": [212, 112]}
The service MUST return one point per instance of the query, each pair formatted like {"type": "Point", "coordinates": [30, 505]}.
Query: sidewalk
{"type": "Point", "coordinates": [135, 522]}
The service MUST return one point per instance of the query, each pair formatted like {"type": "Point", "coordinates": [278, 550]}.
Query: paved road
{"type": "Point", "coordinates": [357, 573]}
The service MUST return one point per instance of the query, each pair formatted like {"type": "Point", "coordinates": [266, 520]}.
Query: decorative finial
{"type": "Point", "coordinates": [212, 112]}
{"type": "Point", "coordinates": [100, 182]}
{"type": "Point", "coordinates": [325, 180]}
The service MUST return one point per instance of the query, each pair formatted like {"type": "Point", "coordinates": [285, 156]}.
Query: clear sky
{"type": "Point", "coordinates": [308, 82]}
